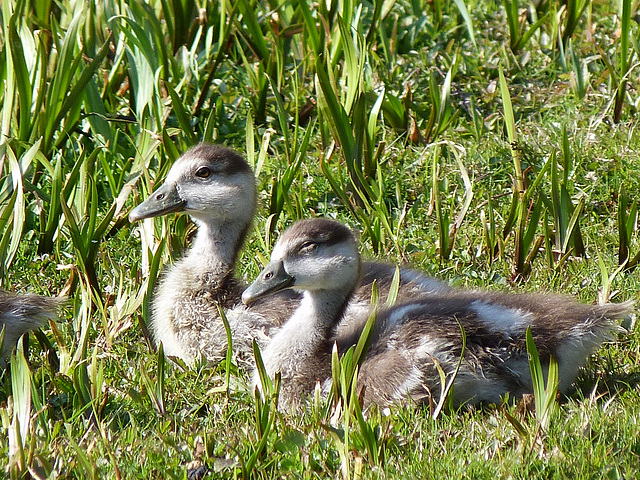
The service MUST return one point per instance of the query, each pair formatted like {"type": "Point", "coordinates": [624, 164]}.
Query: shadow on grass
{"type": "Point", "coordinates": [605, 383]}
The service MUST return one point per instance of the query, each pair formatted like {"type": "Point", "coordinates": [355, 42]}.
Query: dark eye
{"type": "Point", "coordinates": [203, 172]}
{"type": "Point", "coordinates": [308, 247]}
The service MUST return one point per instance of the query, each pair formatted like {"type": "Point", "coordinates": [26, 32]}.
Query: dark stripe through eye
{"type": "Point", "coordinates": [318, 231]}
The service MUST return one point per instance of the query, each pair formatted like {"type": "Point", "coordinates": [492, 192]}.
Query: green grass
{"type": "Point", "coordinates": [390, 116]}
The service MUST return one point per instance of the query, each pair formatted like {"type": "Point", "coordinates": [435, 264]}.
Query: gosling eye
{"type": "Point", "coordinates": [307, 247]}
{"type": "Point", "coordinates": [203, 172]}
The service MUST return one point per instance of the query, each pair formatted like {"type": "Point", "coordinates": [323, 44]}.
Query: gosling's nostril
{"type": "Point", "coordinates": [268, 276]}
{"type": "Point", "coordinates": [160, 196]}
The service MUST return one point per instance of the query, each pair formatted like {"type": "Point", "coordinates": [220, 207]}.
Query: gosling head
{"type": "Point", "coordinates": [312, 255]}
{"type": "Point", "coordinates": [208, 182]}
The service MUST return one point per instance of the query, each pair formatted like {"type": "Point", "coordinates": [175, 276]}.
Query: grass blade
{"type": "Point", "coordinates": [394, 288]}
{"type": "Point", "coordinates": [18, 205]}
{"type": "Point", "coordinates": [462, 8]}
{"type": "Point", "coordinates": [510, 124]}
{"type": "Point", "coordinates": [21, 421]}
{"type": "Point", "coordinates": [545, 398]}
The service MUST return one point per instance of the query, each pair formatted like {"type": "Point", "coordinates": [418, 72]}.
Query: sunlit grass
{"type": "Point", "coordinates": [392, 117]}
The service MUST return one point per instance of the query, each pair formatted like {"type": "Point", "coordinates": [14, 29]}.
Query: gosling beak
{"type": "Point", "coordinates": [272, 279]}
{"type": "Point", "coordinates": [164, 200]}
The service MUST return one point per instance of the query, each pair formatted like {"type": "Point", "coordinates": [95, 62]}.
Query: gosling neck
{"type": "Point", "coordinates": [312, 324]}
{"type": "Point", "coordinates": [217, 244]}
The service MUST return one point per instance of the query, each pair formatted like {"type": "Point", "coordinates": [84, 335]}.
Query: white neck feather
{"type": "Point", "coordinates": [216, 244]}
{"type": "Point", "coordinates": [305, 333]}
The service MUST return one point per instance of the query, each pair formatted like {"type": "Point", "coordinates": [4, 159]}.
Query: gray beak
{"type": "Point", "coordinates": [164, 200]}
{"type": "Point", "coordinates": [272, 279]}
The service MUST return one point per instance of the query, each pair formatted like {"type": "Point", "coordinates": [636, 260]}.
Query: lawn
{"type": "Point", "coordinates": [491, 144]}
